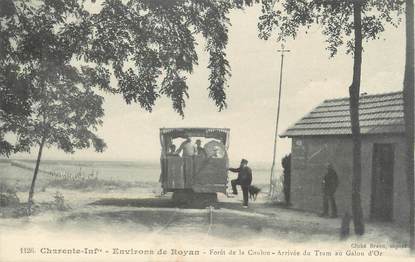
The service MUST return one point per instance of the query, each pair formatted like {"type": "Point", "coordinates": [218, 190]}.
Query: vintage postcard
{"type": "Point", "coordinates": [206, 130]}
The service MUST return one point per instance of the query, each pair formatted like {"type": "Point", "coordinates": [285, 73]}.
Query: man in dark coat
{"type": "Point", "coordinates": [244, 179]}
{"type": "Point", "coordinates": [330, 183]}
{"type": "Point", "coordinates": [199, 149]}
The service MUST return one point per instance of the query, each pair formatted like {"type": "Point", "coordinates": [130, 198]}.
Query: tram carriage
{"type": "Point", "coordinates": [190, 177]}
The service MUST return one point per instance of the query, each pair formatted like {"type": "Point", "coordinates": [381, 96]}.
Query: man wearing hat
{"type": "Point", "coordinates": [330, 183]}
{"type": "Point", "coordinates": [199, 149]}
{"type": "Point", "coordinates": [244, 179]}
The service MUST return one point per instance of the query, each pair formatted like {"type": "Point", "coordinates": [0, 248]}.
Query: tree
{"type": "Point", "coordinates": [14, 100]}
{"type": "Point", "coordinates": [14, 89]}
{"type": "Point", "coordinates": [408, 91]}
{"type": "Point", "coordinates": [354, 94]}
{"type": "Point", "coordinates": [149, 45]}
{"type": "Point", "coordinates": [67, 115]}
{"type": "Point", "coordinates": [343, 23]}
{"type": "Point", "coordinates": [45, 99]}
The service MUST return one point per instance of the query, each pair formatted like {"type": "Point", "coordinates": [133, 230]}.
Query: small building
{"type": "Point", "coordinates": [324, 135]}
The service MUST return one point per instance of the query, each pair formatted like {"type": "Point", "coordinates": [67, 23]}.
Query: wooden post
{"type": "Point", "coordinates": [354, 93]}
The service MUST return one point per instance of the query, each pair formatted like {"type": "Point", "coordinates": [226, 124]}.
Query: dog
{"type": "Point", "coordinates": [253, 192]}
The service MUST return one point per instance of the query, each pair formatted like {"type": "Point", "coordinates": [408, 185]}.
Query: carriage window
{"type": "Point", "coordinates": [215, 149]}
{"type": "Point", "coordinates": [198, 146]}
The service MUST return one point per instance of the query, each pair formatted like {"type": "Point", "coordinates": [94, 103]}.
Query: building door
{"type": "Point", "coordinates": [382, 182]}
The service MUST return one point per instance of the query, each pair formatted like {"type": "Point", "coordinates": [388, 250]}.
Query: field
{"type": "Point", "coordinates": [118, 205]}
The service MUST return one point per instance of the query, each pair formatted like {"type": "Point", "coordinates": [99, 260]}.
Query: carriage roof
{"type": "Point", "coordinates": [208, 132]}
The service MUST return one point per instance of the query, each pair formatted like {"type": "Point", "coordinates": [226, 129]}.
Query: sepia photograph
{"type": "Point", "coordinates": [207, 130]}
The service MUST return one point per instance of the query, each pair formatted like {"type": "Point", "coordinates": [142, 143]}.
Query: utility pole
{"type": "Point", "coordinates": [408, 93]}
{"type": "Point", "coordinates": [271, 185]}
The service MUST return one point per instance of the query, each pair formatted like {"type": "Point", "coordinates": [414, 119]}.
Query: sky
{"type": "Point", "coordinates": [309, 77]}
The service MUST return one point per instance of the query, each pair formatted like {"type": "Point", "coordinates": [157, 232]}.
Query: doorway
{"type": "Point", "coordinates": [382, 182]}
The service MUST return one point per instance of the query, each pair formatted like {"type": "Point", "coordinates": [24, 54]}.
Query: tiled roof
{"type": "Point", "coordinates": [379, 114]}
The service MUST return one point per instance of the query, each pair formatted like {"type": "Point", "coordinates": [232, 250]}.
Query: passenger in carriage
{"type": "Point", "coordinates": [200, 150]}
{"type": "Point", "coordinates": [172, 150]}
{"type": "Point", "coordinates": [187, 147]}
{"type": "Point", "coordinates": [216, 152]}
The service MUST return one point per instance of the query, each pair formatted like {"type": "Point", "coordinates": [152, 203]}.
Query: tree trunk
{"type": "Point", "coordinates": [32, 186]}
{"type": "Point", "coordinates": [354, 93]}
{"type": "Point", "coordinates": [408, 91]}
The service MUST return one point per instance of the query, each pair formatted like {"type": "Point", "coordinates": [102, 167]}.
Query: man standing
{"type": "Point", "coordinates": [172, 150]}
{"type": "Point", "coordinates": [330, 183]}
{"type": "Point", "coordinates": [244, 179]}
{"type": "Point", "coordinates": [199, 149]}
{"type": "Point", "coordinates": [187, 147]}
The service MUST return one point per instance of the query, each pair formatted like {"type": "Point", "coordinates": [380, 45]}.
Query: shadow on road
{"type": "Point", "coordinates": [163, 202]}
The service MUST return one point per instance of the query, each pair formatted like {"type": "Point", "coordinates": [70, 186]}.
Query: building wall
{"type": "Point", "coordinates": [309, 158]}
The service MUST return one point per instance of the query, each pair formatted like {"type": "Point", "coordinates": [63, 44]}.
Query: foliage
{"type": "Point", "coordinates": [14, 89]}
{"type": "Point", "coordinates": [286, 18]}
{"type": "Point", "coordinates": [42, 94]}
{"type": "Point", "coordinates": [150, 47]}
{"type": "Point", "coordinates": [59, 106]}
{"type": "Point", "coordinates": [66, 116]}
